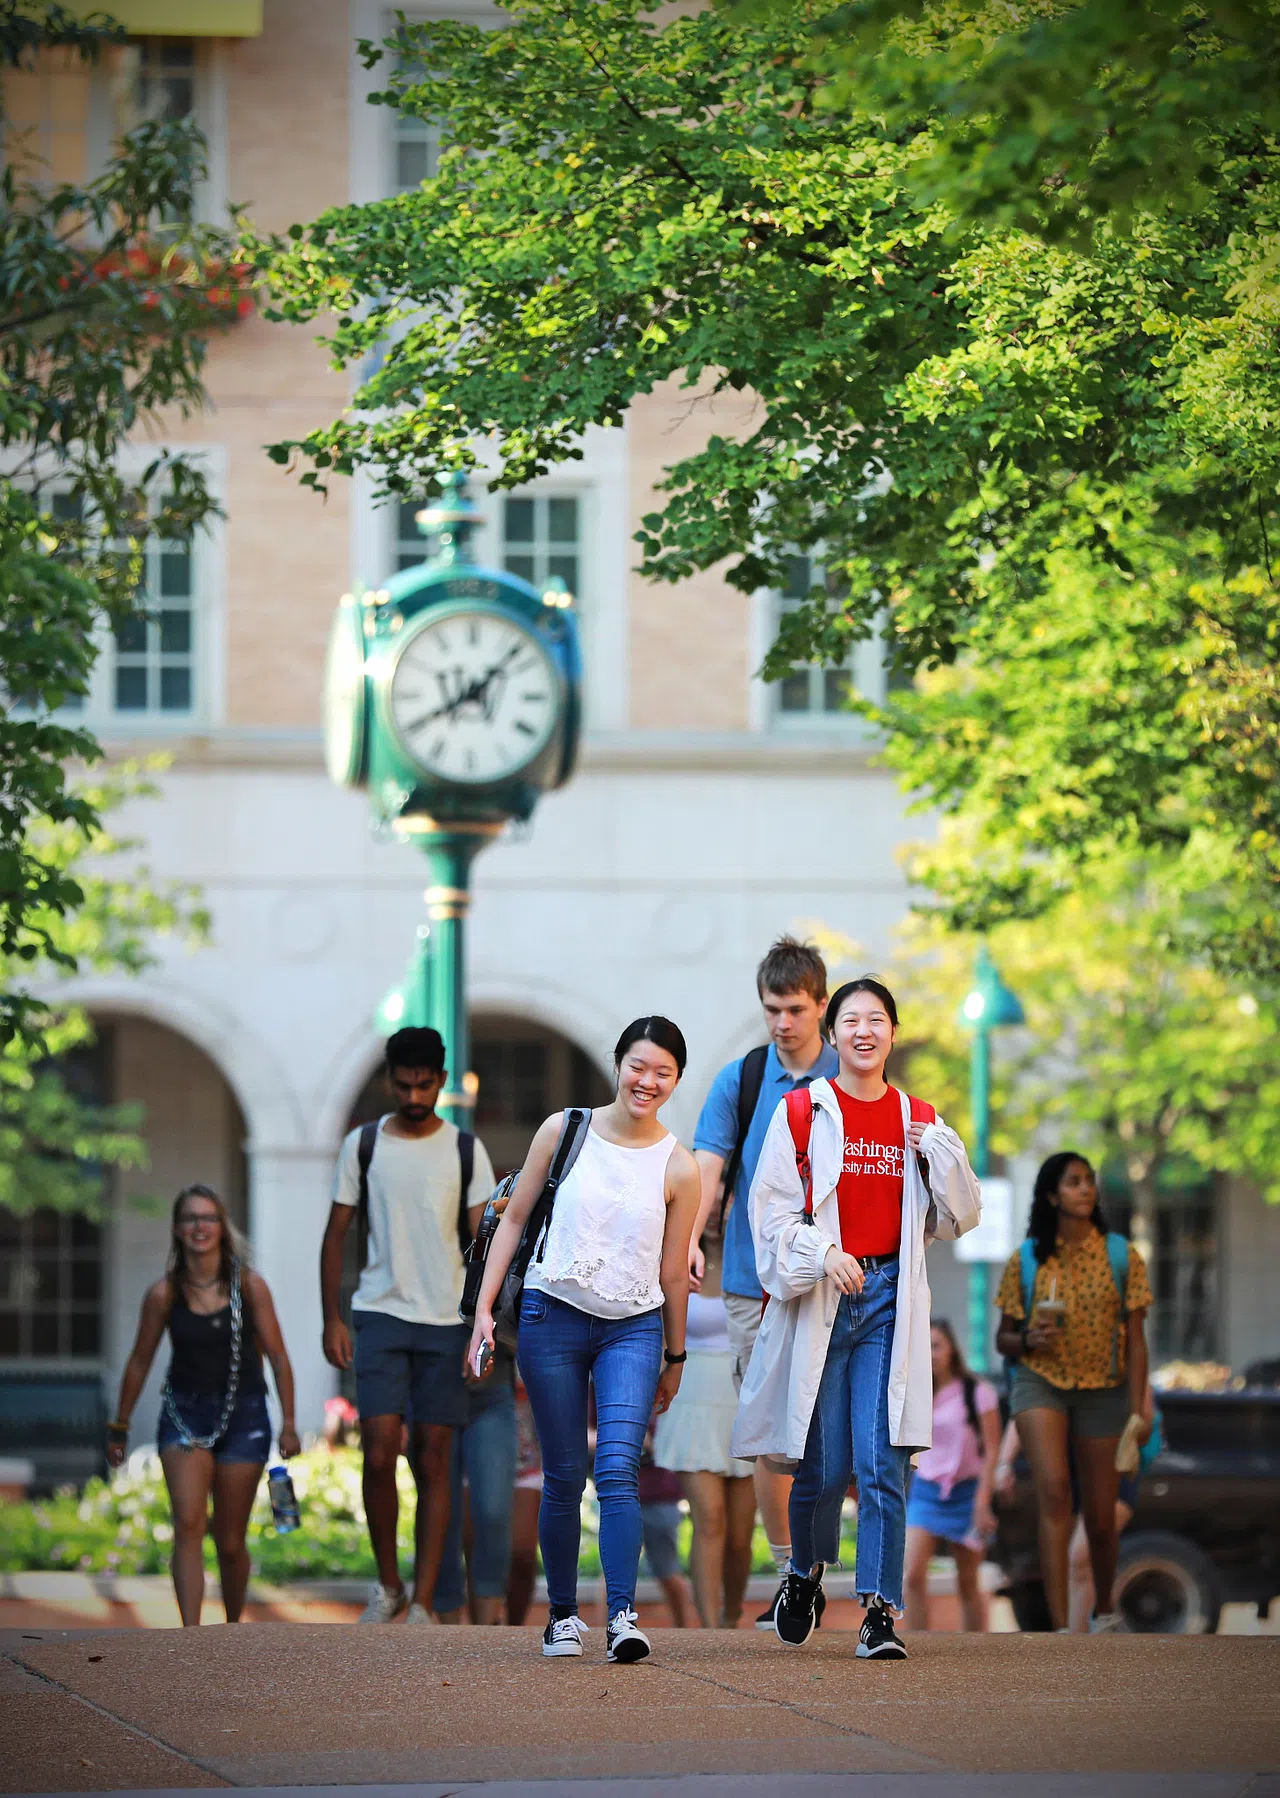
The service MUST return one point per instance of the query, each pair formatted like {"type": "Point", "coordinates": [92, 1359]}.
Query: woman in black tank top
{"type": "Point", "coordinates": [214, 1431]}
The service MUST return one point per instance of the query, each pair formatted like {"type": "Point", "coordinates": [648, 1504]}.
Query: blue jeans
{"type": "Point", "coordinates": [849, 1435]}
{"type": "Point", "coordinates": [561, 1350]}
{"type": "Point", "coordinates": [484, 1451]}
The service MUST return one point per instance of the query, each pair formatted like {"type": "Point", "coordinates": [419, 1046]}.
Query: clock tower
{"type": "Point", "coordinates": [453, 696]}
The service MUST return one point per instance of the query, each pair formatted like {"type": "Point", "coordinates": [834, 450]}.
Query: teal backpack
{"type": "Point", "coordinates": [1118, 1257]}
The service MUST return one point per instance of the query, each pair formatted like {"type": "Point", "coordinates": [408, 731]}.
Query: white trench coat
{"type": "Point", "coordinates": [785, 1370]}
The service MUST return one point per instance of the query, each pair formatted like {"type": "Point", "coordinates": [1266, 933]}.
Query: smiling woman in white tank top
{"type": "Point", "coordinates": [608, 1288]}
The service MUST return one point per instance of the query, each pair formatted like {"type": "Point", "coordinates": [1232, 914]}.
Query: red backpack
{"type": "Point", "coordinates": [800, 1122]}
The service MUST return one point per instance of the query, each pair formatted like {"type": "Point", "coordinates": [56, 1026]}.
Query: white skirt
{"type": "Point", "coordinates": [693, 1436]}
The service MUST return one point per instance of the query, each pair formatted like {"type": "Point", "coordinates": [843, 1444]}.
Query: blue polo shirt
{"type": "Point", "coordinates": [717, 1132]}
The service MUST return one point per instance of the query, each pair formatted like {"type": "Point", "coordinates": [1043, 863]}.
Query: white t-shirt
{"type": "Point", "coordinates": [414, 1269]}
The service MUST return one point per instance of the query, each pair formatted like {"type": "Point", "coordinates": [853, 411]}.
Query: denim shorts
{"type": "Point", "coordinates": [410, 1370]}
{"type": "Point", "coordinates": [247, 1437]}
{"type": "Point", "coordinates": [1094, 1411]}
{"type": "Point", "coordinates": [659, 1526]}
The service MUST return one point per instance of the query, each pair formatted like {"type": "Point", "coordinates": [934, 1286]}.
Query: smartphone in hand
{"type": "Point", "coordinates": [481, 1361]}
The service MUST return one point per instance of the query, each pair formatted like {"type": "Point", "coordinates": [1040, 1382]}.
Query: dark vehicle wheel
{"type": "Point", "coordinates": [1166, 1586]}
{"type": "Point", "coordinates": [1030, 1607]}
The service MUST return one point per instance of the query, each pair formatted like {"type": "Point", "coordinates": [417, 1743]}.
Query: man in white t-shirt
{"type": "Point", "coordinates": [409, 1343]}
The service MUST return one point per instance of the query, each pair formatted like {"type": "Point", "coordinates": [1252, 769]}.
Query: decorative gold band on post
{"type": "Point", "coordinates": [447, 902]}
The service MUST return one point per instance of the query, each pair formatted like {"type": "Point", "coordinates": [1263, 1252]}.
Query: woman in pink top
{"type": "Point", "coordinates": [949, 1506]}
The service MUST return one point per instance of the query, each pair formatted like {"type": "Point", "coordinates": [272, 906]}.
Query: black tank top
{"type": "Point", "coordinates": [201, 1363]}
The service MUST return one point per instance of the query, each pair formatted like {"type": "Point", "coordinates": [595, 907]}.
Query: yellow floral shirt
{"type": "Point", "coordinates": [1092, 1349]}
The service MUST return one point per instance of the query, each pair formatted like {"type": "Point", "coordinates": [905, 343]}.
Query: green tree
{"type": "Point", "coordinates": [1154, 1065]}
{"type": "Point", "coordinates": [108, 291]}
{"type": "Point", "coordinates": [1056, 113]}
{"type": "Point", "coordinates": [1051, 474]}
{"type": "Point", "coordinates": [55, 1146]}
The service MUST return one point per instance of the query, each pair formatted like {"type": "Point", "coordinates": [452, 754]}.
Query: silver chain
{"type": "Point", "coordinates": [185, 1438]}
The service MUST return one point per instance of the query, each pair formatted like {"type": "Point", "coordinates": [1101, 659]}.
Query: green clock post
{"type": "Point", "coordinates": [453, 697]}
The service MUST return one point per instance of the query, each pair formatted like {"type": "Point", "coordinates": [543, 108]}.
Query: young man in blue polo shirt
{"type": "Point", "coordinates": [792, 984]}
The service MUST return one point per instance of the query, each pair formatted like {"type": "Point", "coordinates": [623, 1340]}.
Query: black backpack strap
{"type": "Point", "coordinates": [466, 1168]}
{"type": "Point", "coordinates": [573, 1133]}
{"type": "Point", "coordinates": [364, 1156]}
{"type": "Point", "coordinates": [750, 1081]}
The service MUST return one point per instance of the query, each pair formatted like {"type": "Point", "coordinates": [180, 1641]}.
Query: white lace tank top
{"type": "Point", "coordinates": [603, 1252]}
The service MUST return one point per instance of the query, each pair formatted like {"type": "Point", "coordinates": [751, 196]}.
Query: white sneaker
{"type": "Point", "coordinates": [418, 1613]}
{"type": "Point", "coordinates": [1109, 1623]}
{"type": "Point", "coordinates": [563, 1635]}
{"type": "Point", "coordinates": [626, 1640]}
{"type": "Point", "coordinates": [384, 1605]}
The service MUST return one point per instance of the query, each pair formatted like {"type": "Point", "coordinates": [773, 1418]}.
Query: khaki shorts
{"type": "Point", "coordinates": [1096, 1411]}
{"type": "Point", "coordinates": [744, 1327]}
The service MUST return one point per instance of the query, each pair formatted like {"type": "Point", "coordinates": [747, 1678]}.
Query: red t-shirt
{"type": "Point", "coordinates": [870, 1189]}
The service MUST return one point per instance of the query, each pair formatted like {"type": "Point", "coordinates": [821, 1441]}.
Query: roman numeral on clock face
{"type": "Point", "coordinates": [474, 697]}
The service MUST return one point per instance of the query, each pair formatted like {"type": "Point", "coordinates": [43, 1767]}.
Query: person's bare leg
{"type": "Point", "coordinates": [675, 1589]}
{"type": "Point", "coordinates": [773, 1496]}
{"type": "Point", "coordinates": [487, 1610]}
{"type": "Point", "coordinates": [235, 1484]}
{"type": "Point", "coordinates": [432, 1452]}
{"type": "Point", "coordinates": [916, 1577]}
{"type": "Point", "coordinates": [705, 1492]}
{"type": "Point", "coordinates": [1099, 1495]}
{"type": "Point", "coordinates": [1043, 1435]}
{"type": "Point", "coordinates": [1080, 1602]}
{"type": "Point", "coordinates": [188, 1473]}
{"type": "Point", "coordinates": [524, 1552]}
{"type": "Point", "coordinates": [740, 1504]}
{"type": "Point", "coordinates": [380, 1440]}
{"type": "Point", "coordinates": [973, 1603]}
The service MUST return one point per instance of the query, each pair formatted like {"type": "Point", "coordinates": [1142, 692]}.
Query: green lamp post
{"type": "Point", "coordinates": [986, 1007]}
{"type": "Point", "coordinates": [453, 697]}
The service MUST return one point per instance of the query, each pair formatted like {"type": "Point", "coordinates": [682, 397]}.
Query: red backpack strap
{"type": "Point", "coordinates": [800, 1122]}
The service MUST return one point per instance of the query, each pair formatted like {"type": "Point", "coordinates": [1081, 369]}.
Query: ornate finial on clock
{"type": "Point", "coordinates": [450, 519]}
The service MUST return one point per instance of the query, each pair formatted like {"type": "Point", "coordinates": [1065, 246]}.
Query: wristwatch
{"type": "Point", "coordinates": [675, 1360]}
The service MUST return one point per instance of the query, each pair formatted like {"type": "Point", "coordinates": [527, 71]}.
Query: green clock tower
{"type": "Point", "coordinates": [453, 696]}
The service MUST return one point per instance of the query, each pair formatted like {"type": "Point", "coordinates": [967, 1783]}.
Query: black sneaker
{"type": "Point", "coordinates": [795, 1610]}
{"type": "Point", "coordinates": [766, 1618]}
{"type": "Point", "coordinates": [877, 1639]}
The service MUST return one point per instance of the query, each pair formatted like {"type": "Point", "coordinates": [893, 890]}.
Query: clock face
{"type": "Point", "coordinates": [344, 697]}
{"type": "Point", "coordinates": [474, 697]}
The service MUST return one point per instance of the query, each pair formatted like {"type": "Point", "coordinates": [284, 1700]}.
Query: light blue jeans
{"type": "Point", "coordinates": [484, 1450]}
{"type": "Point", "coordinates": [561, 1351]}
{"type": "Point", "coordinates": [848, 1437]}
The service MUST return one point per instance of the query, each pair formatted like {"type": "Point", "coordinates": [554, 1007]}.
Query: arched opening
{"type": "Point", "coordinates": [72, 1286]}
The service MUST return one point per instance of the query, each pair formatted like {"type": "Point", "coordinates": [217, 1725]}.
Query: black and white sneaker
{"type": "Point", "coordinates": [626, 1640]}
{"type": "Point", "coordinates": [795, 1612]}
{"type": "Point", "coordinates": [563, 1636]}
{"type": "Point", "coordinates": [765, 1619]}
{"type": "Point", "coordinates": [877, 1639]}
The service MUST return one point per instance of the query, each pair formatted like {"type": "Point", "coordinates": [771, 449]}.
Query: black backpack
{"type": "Point", "coordinates": [466, 1166]}
{"type": "Point", "coordinates": [506, 1310]}
{"type": "Point", "coordinates": [750, 1081]}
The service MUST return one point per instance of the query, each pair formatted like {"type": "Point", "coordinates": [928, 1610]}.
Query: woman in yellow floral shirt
{"type": "Point", "coordinates": [1081, 1373]}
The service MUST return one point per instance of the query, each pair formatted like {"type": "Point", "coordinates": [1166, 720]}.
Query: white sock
{"type": "Point", "coordinates": [781, 1552]}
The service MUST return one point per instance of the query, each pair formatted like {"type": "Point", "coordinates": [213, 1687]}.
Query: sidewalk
{"type": "Point", "coordinates": [436, 1708]}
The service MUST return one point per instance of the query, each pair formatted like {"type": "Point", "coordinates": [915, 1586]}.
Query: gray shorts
{"type": "Point", "coordinates": [744, 1326]}
{"type": "Point", "coordinates": [659, 1524]}
{"type": "Point", "coordinates": [410, 1370]}
{"type": "Point", "coordinates": [1089, 1410]}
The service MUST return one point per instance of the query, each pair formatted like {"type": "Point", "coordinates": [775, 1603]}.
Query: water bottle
{"type": "Point", "coordinates": [284, 1501]}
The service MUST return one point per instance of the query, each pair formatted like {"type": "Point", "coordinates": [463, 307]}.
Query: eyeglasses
{"type": "Point", "coordinates": [201, 1217]}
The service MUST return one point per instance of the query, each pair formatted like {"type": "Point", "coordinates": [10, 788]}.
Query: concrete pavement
{"type": "Point", "coordinates": [279, 1707]}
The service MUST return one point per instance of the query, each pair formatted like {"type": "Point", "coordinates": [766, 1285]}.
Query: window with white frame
{"type": "Point", "coordinates": [541, 538]}
{"type": "Point", "coordinates": [153, 652]}
{"type": "Point", "coordinates": [149, 667]}
{"type": "Point", "coordinates": [818, 695]}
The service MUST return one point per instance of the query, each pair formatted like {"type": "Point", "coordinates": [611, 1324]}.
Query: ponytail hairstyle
{"type": "Point", "coordinates": [657, 1030]}
{"type": "Point", "coordinates": [232, 1246]}
{"type": "Point", "coordinates": [1042, 1224]}
{"type": "Point", "coordinates": [963, 1372]}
